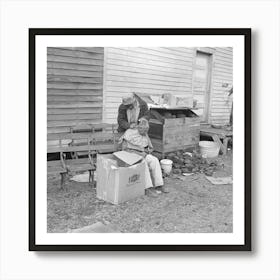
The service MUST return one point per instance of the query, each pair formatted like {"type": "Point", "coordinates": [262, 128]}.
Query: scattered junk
{"type": "Point", "coordinates": [220, 180]}
{"type": "Point", "coordinates": [184, 163]}
{"type": "Point", "coordinates": [209, 149]}
{"type": "Point", "coordinates": [120, 176]}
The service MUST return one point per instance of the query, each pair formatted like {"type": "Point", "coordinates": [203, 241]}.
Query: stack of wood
{"type": "Point", "coordinates": [184, 162]}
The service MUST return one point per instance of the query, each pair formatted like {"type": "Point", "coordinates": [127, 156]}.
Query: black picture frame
{"type": "Point", "coordinates": [246, 32]}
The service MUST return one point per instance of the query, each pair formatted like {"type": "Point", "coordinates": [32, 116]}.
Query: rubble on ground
{"type": "Point", "coordinates": [184, 162]}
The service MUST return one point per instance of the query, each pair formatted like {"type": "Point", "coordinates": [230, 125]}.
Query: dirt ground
{"type": "Point", "coordinates": [193, 205]}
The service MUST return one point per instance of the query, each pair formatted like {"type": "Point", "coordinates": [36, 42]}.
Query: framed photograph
{"type": "Point", "coordinates": [134, 142]}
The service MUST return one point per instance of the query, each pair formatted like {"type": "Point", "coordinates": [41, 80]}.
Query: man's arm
{"type": "Point", "coordinates": [145, 112]}
{"type": "Point", "coordinates": [122, 120]}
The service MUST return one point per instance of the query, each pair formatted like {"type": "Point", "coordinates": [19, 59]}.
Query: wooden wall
{"type": "Point", "coordinates": [222, 81]}
{"type": "Point", "coordinates": [81, 80]}
{"type": "Point", "coordinates": [75, 87]}
{"type": "Point", "coordinates": [145, 70]}
{"type": "Point", "coordinates": [164, 70]}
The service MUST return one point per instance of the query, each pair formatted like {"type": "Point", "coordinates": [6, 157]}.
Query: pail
{"type": "Point", "coordinates": [209, 149]}
{"type": "Point", "coordinates": [166, 165]}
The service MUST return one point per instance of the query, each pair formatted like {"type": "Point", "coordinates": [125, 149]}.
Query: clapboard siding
{"type": "Point", "coordinates": [74, 87]}
{"type": "Point", "coordinates": [222, 81]}
{"type": "Point", "coordinates": [145, 70]}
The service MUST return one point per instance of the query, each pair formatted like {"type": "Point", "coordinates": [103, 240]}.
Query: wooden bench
{"type": "Point", "coordinates": [83, 146]}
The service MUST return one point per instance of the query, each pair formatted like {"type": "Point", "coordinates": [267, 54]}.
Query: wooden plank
{"type": "Point", "coordinates": [133, 64]}
{"type": "Point", "coordinates": [186, 51]}
{"type": "Point", "coordinates": [146, 61]}
{"type": "Point", "coordinates": [119, 91]}
{"type": "Point", "coordinates": [218, 141]}
{"type": "Point", "coordinates": [67, 111]}
{"type": "Point", "coordinates": [81, 148]}
{"type": "Point", "coordinates": [73, 53]}
{"type": "Point", "coordinates": [71, 79]}
{"type": "Point", "coordinates": [66, 59]}
{"type": "Point", "coordinates": [79, 136]}
{"type": "Point", "coordinates": [142, 85]}
{"type": "Point", "coordinates": [225, 50]}
{"type": "Point", "coordinates": [74, 66]}
{"type": "Point", "coordinates": [122, 70]}
{"type": "Point", "coordinates": [69, 123]}
{"type": "Point", "coordinates": [88, 49]}
{"type": "Point", "coordinates": [75, 73]}
{"type": "Point", "coordinates": [79, 98]}
{"type": "Point", "coordinates": [75, 92]}
{"type": "Point", "coordinates": [112, 74]}
{"type": "Point", "coordinates": [93, 116]}
{"type": "Point", "coordinates": [146, 54]}
{"type": "Point", "coordinates": [151, 80]}
{"type": "Point", "coordinates": [60, 85]}
{"type": "Point", "coordinates": [172, 52]}
{"type": "Point", "coordinates": [74, 105]}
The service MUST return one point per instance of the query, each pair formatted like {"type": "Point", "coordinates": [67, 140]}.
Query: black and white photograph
{"type": "Point", "coordinates": [139, 140]}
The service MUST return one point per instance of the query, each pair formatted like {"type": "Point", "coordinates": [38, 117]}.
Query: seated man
{"type": "Point", "coordinates": [136, 140]}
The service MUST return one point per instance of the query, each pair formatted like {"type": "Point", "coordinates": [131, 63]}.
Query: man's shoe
{"type": "Point", "coordinates": [164, 189]}
{"type": "Point", "coordinates": [150, 193]}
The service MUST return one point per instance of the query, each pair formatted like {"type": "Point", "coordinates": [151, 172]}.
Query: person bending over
{"type": "Point", "coordinates": [131, 111]}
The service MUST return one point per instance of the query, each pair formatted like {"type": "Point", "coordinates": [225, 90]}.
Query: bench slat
{"type": "Point", "coordinates": [65, 149]}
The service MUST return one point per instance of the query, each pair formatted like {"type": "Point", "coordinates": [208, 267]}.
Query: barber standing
{"type": "Point", "coordinates": [131, 111]}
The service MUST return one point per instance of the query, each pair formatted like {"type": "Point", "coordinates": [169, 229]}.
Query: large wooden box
{"type": "Point", "coordinates": [173, 134]}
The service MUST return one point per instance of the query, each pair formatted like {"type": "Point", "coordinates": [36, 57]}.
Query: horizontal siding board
{"type": "Point", "coordinates": [70, 111]}
{"type": "Point", "coordinates": [119, 91]}
{"type": "Point", "coordinates": [149, 76]}
{"type": "Point", "coordinates": [149, 80]}
{"type": "Point", "coordinates": [130, 65]}
{"type": "Point", "coordinates": [74, 53]}
{"type": "Point", "coordinates": [71, 79]}
{"type": "Point", "coordinates": [53, 105]}
{"type": "Point", "coordinates": [73, 66]}
{"type": "Point", "coordinates": [147, 55]}
{"type": "Point", "coordinates": [71, 123]}
{"type": "Point", "coordinates": [147, 86]}
{"type": "Point", "coordinates": [74, 116]}
{"type": "Point", "coordinates": [146, 61]}
{"type": "Point", "coordinates": [71, 92]}
{"type": "Point", "coordinates": [75, 73]}
{"type": "Point", "coordinates": [99, 50]}
{"type": "Point", "coordinates": [79, 98]}
{"type": "Point", "coordinates": [180, 50]}
{"type": "Point", "coordinates": [58, 85]}
{"type": "Point", "coordinates": [170, 53]}
{"type": "Point", "coordinates": [66, 59]}
{"type": "Point", "coordinates": [159, 72]}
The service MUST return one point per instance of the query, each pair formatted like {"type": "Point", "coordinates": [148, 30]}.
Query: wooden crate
{"type": "Point", "coordinates": [173, 134]}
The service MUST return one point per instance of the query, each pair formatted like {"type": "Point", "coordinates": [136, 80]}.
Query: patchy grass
{"type": "Point", "coordinates": [193, 205]}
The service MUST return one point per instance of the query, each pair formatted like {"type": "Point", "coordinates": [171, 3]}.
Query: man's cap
{"type": "Point", "coordinates": [128, 99]}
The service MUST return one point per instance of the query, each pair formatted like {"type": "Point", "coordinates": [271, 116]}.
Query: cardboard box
{"type": "Point", "coordinates": [118, 184]}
